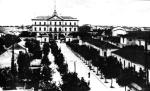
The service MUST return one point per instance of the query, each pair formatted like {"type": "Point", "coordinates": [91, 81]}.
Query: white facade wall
{"type": "Point", "coordinates": [43, 39]}
{"type": "Point", "coordinates": [1, 34]}
{"type": "Point", "coordinates": [139, 42]}
{"type": "Point", "coordinates": [123, 41]}
{"type": "Point", "coordinates": [38, 26]}
{"type": "Point", "coordinates": [118, 32]}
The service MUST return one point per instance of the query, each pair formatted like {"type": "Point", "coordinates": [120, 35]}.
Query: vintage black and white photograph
{"type": "Point", "coordinates": [74, 45]}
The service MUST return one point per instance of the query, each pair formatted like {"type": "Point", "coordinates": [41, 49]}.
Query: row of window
{"type": "Point", "coordinates": [55, 29]}
{"type": "Point", "coordinates": [55, 23]}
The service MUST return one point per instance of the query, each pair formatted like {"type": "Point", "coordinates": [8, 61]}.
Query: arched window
{"type": "Point", "coordinates": [39, 23]}
{"type": "Point", "coordinates": [35, 23]}
{"type": "Point", "coordinates": [44, 29]}
{"type": "Point", "coordinates": [45, 39]}
{"type": "Point", "coordinates": [55, 29]}
{"type": "Point", "coordinates": [55, 23]}
{"type": "Point", "coordinates": [35, 29]}
{"type": "Point", "coordinates": [65, 23]}
{"type": "Point", "coordinates": [74, 23]}
{"type": "Point", "coordinates": [50, 29]}
{"type": "Point", "coordinates": [74, 29]}
{"type": "Point", "coordinates": [44, 23]}
{"type": "Point", "coordinates": [70, 29]}
{"type": "Point", "coordinates": [124, 63]}
{"type": "Point", "coordinates": [50, 23]}
{"type": "Point", "coordinates": [59, 23]}
{"type": "Point", "coordinates": [39, 28]}
{"type": "Point", "coordinates": [70, 23]}
{"type": "Point", "coordinates": [65, 29]}
{"type": "Point", "coordinates": [59, 29]}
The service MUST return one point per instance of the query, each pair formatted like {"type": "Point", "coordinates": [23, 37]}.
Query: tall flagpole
{"type": "Point", "coordinates": [55, 5]}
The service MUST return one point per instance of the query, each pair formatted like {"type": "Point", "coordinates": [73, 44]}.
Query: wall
{"type": "Point", "coordinates": [127, 62]}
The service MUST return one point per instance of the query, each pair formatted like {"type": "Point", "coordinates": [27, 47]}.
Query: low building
{"type": "Point", "coordinates": [103, 47]}
{"type": "Point", "coordinates": [133, 56]}
{"type": "Point", "coordinates": [118, 31]}
{"type": "Point", "coordinates": [136, 38]}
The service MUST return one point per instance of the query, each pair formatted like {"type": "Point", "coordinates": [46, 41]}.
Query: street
{"type": "Point", "coordinates": [75, 64]}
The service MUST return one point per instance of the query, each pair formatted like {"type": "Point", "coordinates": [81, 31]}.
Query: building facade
{"type": "Point", "coordinates": [54, 27]}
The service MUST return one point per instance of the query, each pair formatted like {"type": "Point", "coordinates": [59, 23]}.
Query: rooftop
{"type": "Point", "coordinates": [102, 44]}
{"type": "Point", "coordinates": [134, 54]}
{"type": "Point", "coordinates": [49, 17]}
{"type": "Point", "coordinates": [55, 16]}
{"type": "Point", "coordinates": [138, 34]}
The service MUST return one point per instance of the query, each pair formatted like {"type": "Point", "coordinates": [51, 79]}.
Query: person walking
{"type": "Point", "coordinates": [89, 75]}
{"type": "Point", "coordinates": [89, 78]}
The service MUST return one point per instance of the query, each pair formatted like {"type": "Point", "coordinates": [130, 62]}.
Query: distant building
{"type": "Point", "coordinates": [118, 31]}
{"type": "Point", "coordinates": [54, 27]}
{"type": "Point", "coordinates": [1, 34]}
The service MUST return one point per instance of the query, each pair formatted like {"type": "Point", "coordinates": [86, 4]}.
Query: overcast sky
{"type": "Point", "coordinates": [95, 12]}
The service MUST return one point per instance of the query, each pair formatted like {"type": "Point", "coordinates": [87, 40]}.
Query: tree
{"type": "Point", "coordinates": [63, 69]}
{"type": "Point", "coordinates": [47, 73]}
{"type": "Point", "coordinates": [46, 48]}
{"type": "Point", "coordinates": [10, 40]}
{"type": "Point", "coordinates": [23, 62]}
{"type": "Point", "coordinates": [45, 60]}
{"type": "Point", "coordinates": [125, 78]}
{"type": "Point", "coordinates": [113, 68]}
{"type": "Point", "coordinates": [6, 79]}
{"type": "Point", "coordinates": [72, 83]}
{"type": "Point", "coordinates": [34, 48]}
{"type": "Point", "coordinates": [47, 86]}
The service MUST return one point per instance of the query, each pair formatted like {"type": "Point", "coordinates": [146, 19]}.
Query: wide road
{"type": "Point", "coordinates": [75, 64]}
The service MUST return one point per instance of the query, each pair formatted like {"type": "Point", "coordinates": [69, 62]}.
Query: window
{"type": "Point", "coordinates": [134, 67]}
{"type": "Point", "coordinates": [70, 23]}
{"type": "Point", "coordinates": [50, 23]}
{"type": "Point", "coordinates": [35, 29]}
{"type": "Point", "coordinates": [44, 29]}
{"type": "Point", "coordinates": [74, 23]}
{"type": "Point", "coordinates": [55, 23]}
{"type": "Point", "coordinates": [74, 29]}
{"type": "Point", "coordinates": [39, 23]}
{"type": "Point", "coordinates": [65, 23]}
{"type": "Point", "coordinates": [123, 40]}
{"type": "Point", "coordinates": [65, 29]}
{"type": "Point", "coordinates": [55, 29]}
{"type": "Point", "coordinates": [124, 63]}
{"type": "Point", "coordinates": [70, 29]}
{"type": "Point", "coordinates": [44, 23]}
{"type": "Point", "coordinates": [59, 23]}
{"type": "Point", "coordinates": [45, 39]}
{"type": "Point", "coordinates": [35, 23]}
{"type": "Point", "coordinates": [59, 29]}
{"type": "Point", "coordinates": [50, 29]}
{"type": "Point", "coordinates": [39, 28]}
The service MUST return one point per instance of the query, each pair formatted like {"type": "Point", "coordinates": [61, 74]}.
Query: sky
{"type": "Point", "coordinates": [95, 12]}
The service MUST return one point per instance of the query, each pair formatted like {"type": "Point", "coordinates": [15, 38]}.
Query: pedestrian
{"type": "Point", "coordinates": [89, 75]}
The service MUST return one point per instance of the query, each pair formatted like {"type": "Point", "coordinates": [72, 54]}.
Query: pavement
{"type": "Point", "coordinates": [75, 64]}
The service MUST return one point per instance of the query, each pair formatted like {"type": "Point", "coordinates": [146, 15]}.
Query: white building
{"type": "Point", "coordinates": [55, 26]}
{"type": "Point", "coordinates": [2, 34]}
{"type": "Point", "coordinates": [118, 31]}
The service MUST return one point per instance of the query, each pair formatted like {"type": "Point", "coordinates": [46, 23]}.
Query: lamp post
{"type": "Point", "coordinates": [146, 64]}
{"type": "Point", "coordinates": [75, 66]}
{"type": "Point", "coordinates": [12, 59]}
{"type": "Point", "coordinates": [105, 56]}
